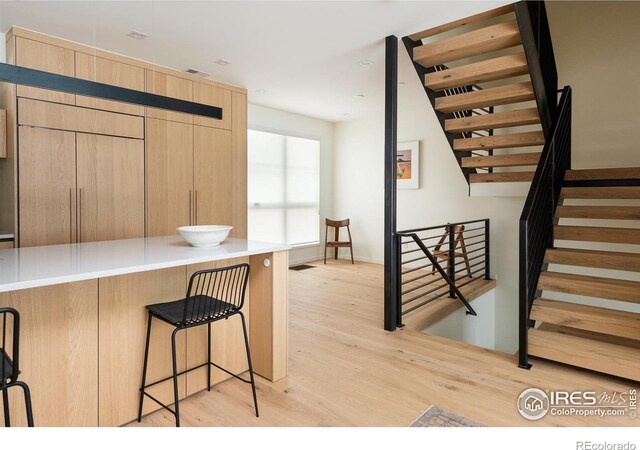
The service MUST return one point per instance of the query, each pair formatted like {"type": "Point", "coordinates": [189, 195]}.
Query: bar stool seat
{"type": "Point", "coordinates": [202, 308]}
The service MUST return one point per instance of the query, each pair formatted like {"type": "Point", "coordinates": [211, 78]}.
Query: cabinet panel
{"type": "Point", "coordinates": [169, 176]}
{"type": "Point", "coordinates": [169, 86]}
{"type": "Point", "coordinates": [213, 176]}
{"type": "Point", "coordinates": [47, 185]}
{"type": "Point", "coordinates": [58, 354]}
{"type": "Point", "coordinates": [49, 58]}
{"type": "Point", "coordinates": [110, 188]}
{"type": "Point", "coordinates": [71, 118]}
{"type": "Point", "coordinates": [239, 191]}
{"type": "Point", "coordinates": [215, 96]}
{"type": "Point", "coordinates": [122, 333]}
{"type": "Point", "coordinates": [110, 72]}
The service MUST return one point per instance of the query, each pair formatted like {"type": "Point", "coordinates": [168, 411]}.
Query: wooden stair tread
{"type": "Point", "coordinates": [593, 258]}
{"type": "Point", "coordinates": [501, 177]}
{"type": "Point", "coordinates": [496, 12]}
{"type": "Point", "coordinates": [607, 192]}
{"type": "Point", "coordinates": [513, 140]}
{"type": "Point", "coordinates": [488, 39]}
{"type": "Point", "coordinates": [597, 234]}
{"type": "Point", "coordinates": [598, 212]}
{"type": "Point", "coordinates": [518, 159]}
{"type": "Point", "coordinates": [479, 72]}
{"type": "Point", "coordinates": [590, 354]}
{"type": "Point", "coordinates": [624, 173]}
{"type": "Point", "coordinates": [442, 307]}
{"type": "Point", "coordinates": [607, 288]}
{"type": "Point", "coordinates": [591, 318]}
{"type": "Point", "coordinates": [501, 95]}
{"type": "Point", "coordinates": [529, 116]}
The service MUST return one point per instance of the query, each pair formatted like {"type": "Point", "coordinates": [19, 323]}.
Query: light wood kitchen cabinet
{"type": "Point", "coordinates": [58, 354]}
{"type": "Point", "coordinates": [49, 58]}
{"type": "Point", "coordinates": [110, 188]}
{"type": "Point", "coordinates": [169, 86]}
{"type": "Point", "coordinates": [215, 96]}
{"type": "Point", "coordinates": [213, 176]}
{"type": "Point", "coordinates": [47, 187]}
{"type": "Point", "coordinates": [102, 70]}
{"type": "Point", "coordinates": [169, 176]}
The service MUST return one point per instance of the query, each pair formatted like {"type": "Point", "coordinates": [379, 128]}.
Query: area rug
{"type": "Point", "coordinates": [438, 417]}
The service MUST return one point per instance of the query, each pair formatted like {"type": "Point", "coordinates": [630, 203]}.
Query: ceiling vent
{"type": "Point", "coordinates": [197, 73]}
{"type": "Point", "coordinates": [137, 34]}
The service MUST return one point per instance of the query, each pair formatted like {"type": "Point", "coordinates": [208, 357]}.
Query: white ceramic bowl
{"type": "Point", "coordinates": [204, 235]}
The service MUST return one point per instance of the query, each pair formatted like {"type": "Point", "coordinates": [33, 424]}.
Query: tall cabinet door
{"type": "Point", "coordinates": [110, 188]}
{"type": "Point", "coordinates": [213, 176]}
{"type": "Point", "coordinates": [47, 186]}
{"type": "Point", "coordinates": [169, 176]}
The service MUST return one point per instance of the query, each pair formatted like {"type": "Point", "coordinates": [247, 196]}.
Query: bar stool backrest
{"type": "Point", "coordinates": [9, 338]}
{"type": "Point", "coordinates": [215, 292]}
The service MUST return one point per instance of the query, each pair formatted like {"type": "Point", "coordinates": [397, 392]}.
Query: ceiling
{"type": "Point", "coordinates": [299, 56]}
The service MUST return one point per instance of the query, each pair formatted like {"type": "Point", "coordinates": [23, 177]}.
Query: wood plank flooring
{"type": "Point", "coordinates": [345, 370]}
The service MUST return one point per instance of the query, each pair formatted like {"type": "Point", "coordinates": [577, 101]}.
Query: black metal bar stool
{"type": "Point", "coordinates": [9, 369]}
{"type": "Point", "coordinates": [212, 295]}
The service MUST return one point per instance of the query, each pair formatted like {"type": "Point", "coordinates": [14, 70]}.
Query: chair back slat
{"type": "Point", "coordinates": [215, 292]}
{"type": "Point", "coordinates": [13, 354]}
{"type": "Point", "coordinates": [337, 223]}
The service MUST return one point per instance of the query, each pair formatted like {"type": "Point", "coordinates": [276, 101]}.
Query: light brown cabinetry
{"type": "Point", "coordinates": [169, 176]}
{"type": "Point", "coordinates": [189, 176]}
{"type": "Point", "coordinates": [215, 96]}
{"type": "Point", "coordinates": [110, 188]}
{"type": "Point", "coordinates": [169, 86]}
{"type": "Point", "coordinates": [58, 354]}
{"type": "Point", "coordinates": [102, 70]}
{"type": "Point", "coordinates": [6, 244]}
{"type": "Point", "coordinates": [47, 186]}
{"type": "Point", "coordinates": [49, 58]}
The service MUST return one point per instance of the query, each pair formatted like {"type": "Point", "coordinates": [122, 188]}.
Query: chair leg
{"type": "Point", "coordinates": [351, 248]}
{"type": "Point", "coordinates": [5, 403]}
{"type": "Point", "coordinates": [27, 402]}
{"type": "Point", "coordinates": [325, 254]}
{"type": "Point", "coordinates": [175, 376]}
{"type": "Point", "coordinates": [253, 382]}
{"type": "Point", "coordinates": [144, 367]}
{"type": "Point", "coordinates": [209, 357]}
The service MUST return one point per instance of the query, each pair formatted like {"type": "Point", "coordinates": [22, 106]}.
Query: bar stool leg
{"type": "Point", "coordinates": [253, 382]}
{"type": "Point", "coordinates": [27, 402]}
{"type": "Point", "coordinates": [175, 376]}
{"type": "Point", "coordinates": [144, 367]}
{"type": "Point", "coordinates": [5, 403]}
{"type": "Point", "coordinates": [209, 357]}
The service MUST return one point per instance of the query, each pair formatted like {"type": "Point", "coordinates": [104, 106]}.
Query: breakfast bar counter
{"type": "Point", "coordinates": [83, 323]}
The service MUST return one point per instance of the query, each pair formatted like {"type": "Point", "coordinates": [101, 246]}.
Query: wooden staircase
{"type": "Point", "coordinates": [604, 335]}
{"type": "Point", "coordinates": [476, 75]}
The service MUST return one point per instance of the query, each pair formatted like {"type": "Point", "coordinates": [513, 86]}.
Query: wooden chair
{"type": "Point", "coordinates": [337, 224]}
{"type": "Point", "coordinates": [458, 231]}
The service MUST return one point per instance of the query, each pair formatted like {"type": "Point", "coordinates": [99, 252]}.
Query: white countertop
{"type": "Point", "coordinates": [24, 268]}
{"type": "Point", "coordinates": [4, 237]}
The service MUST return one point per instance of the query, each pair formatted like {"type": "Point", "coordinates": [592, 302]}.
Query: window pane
{"type": "Point", "coordinates": [267, 225]}
{"type": "Point", "coordinates": [302, 225]}
{"type": "Point", "coordinates": [303, 184]}
{"type": "Point", "coordinates": [266, 171]}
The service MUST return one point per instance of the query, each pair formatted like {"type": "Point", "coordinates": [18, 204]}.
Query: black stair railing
{"type": "Point", "coordinates": [422, 252]}
{"type": "Point", "coordinates": [538, 216]}
{"type": "Point", "coordinates": [538, 49]}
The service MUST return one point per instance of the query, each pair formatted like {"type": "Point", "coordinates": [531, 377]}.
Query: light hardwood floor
{"type": "Point", "coordinates": [345, 370]}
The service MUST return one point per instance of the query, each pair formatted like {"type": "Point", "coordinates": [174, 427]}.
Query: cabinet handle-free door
{"type": "Point", "coordinates": [70, 215]}
{"type": "Point", "coordinates": [196, 208]}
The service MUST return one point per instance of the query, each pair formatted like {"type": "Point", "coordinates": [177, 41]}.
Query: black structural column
{"type": "Point", "coordinates": [390, 144]}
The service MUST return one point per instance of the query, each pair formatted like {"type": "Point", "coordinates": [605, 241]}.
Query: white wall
{"type": "Point", "coordinates": [477, 330]}
{"type": "Point", "coordinates": [277, 121]}
{"type": "Point", "coordinates": [3, 49]}
{"type": "Point", "coordinates": [443, 195]}
{"type": "Point", "coordinates": [596, 47]}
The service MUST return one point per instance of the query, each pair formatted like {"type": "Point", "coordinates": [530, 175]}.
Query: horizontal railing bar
{"type": "Point", "coordinates": [416, 230]}
{"type": "Point", "coordinates": [413, 308]}
{"type": "Point", "coordinates": [416, 268]}
{"type": "Point", "coordinates": [442, 286]}
{"type": "Point", "coordinates": [415, 288]}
